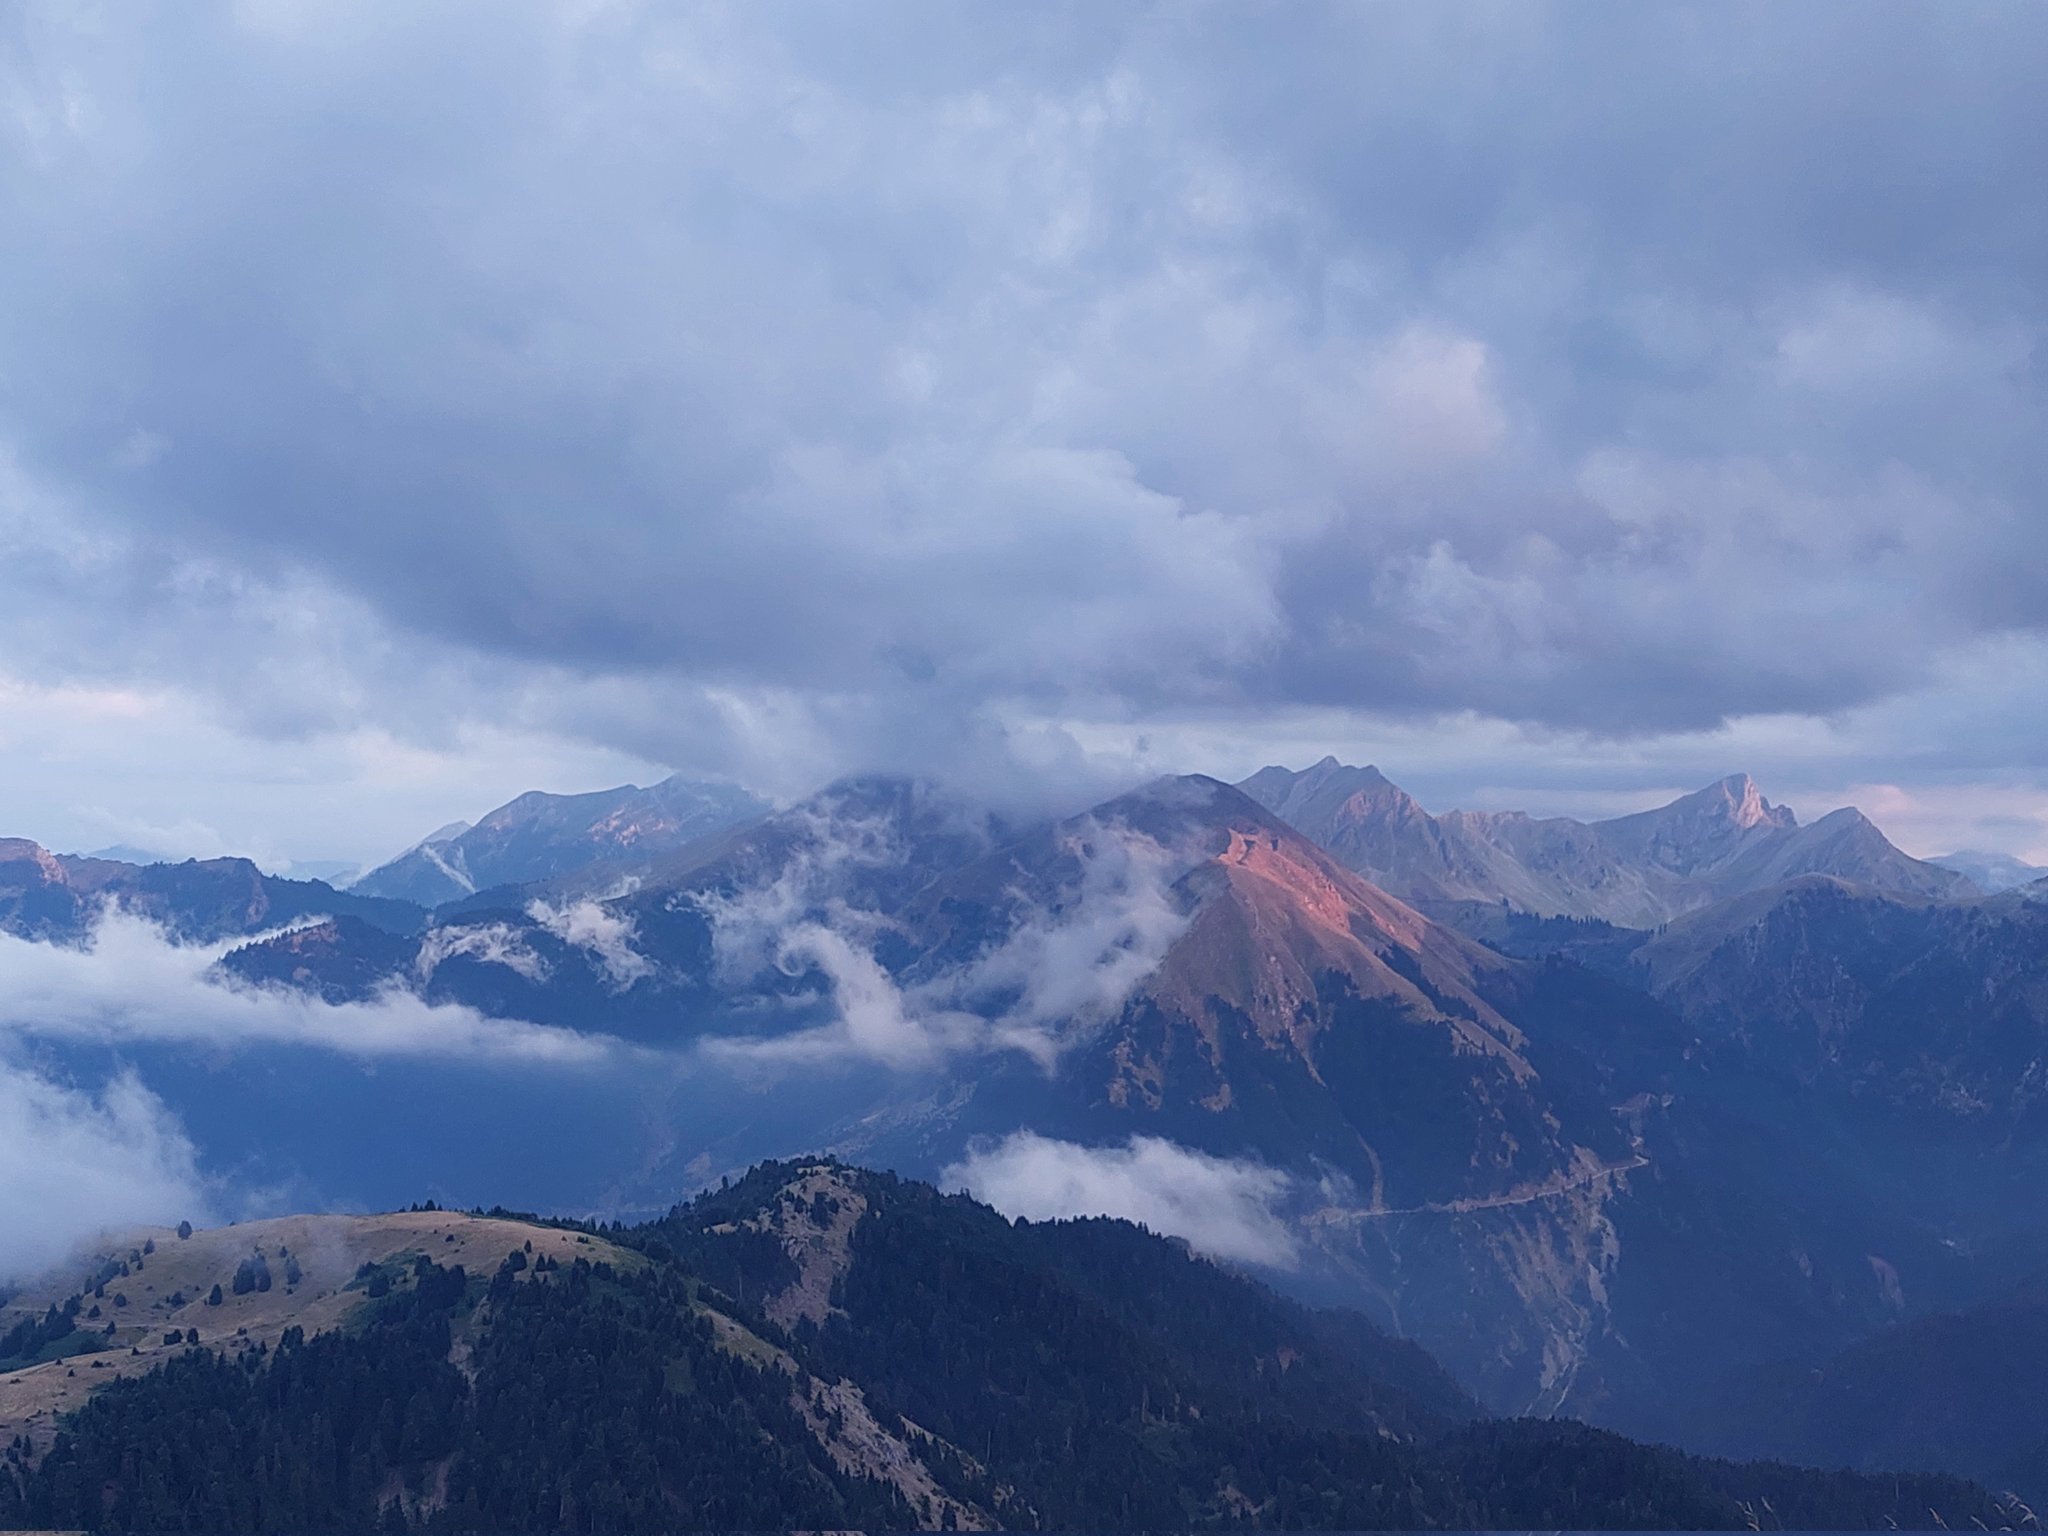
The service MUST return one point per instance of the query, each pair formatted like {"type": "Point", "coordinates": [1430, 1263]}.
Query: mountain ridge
{"type": "Point", "coordinates": [538, 836]}
{"type": "Point", "coordinates": [45, 895]}
{"type": "Point", "coordinates": [1638, 870]}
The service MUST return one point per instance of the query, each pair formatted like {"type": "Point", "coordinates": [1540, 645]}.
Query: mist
{"type": "Point", "coordinates": [1227, 1208]}
{"type": "Point", "coordinates": [75, 1162]}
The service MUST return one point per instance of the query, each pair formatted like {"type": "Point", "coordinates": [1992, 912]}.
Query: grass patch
{"type": "Point", "coordinates": [80, 1341]}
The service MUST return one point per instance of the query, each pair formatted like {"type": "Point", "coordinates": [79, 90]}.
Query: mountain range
{"type": "Point", "coordinates": [1620, 1120]}
{"type": "Point", "coordinates": [1636, 871]}
{"type": "Point", "coordinates": [1481, 1131]}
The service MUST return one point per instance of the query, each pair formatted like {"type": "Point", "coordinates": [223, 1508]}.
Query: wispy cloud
{"type": "Point", "coordinates": [606, 933]}
{"type": "Point", "coordinates": [1077, 963]}
{"type": "Point", "coordinates": [1228, 1208]}
{"type": "Point", "coordinates": [874, 1019]}
{"type": "Point", "coordinates": [1057, 971]}
{"type": "Point", "coordinates": [487, 943]}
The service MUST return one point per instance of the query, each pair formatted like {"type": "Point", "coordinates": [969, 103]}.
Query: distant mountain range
{"type": "Point", "coordinates": [611, 833]}
{"type": "Point", "coordinates": [1636, 871]}
{"type": "Point", "coordinates": [813, 1347]}
{"type": "Point", "coordinates": [1614, 1118]}
{"type": "Point", "coordinates": [1992, 871]}
{"type": "Point", "coordinates": [57, 896]}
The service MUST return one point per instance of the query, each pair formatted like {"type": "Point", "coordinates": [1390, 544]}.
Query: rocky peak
{"type": "Point", "coordinates": [1276, 917]}
{"type": "Point", "coordinates": [1327, 799]}
{"type": "Point", "coordinates": [1746, 806]}
{"type": "Point", "coordinates": [25, 852]}
{"type": "Point", "coordinates": [1700, 831]}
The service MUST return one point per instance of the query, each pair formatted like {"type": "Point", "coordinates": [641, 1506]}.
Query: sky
{"type": "Point", "coordinates": [1562, 406]}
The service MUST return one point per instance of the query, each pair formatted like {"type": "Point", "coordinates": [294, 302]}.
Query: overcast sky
{"type": "Point", "coordinates": [405, 405]}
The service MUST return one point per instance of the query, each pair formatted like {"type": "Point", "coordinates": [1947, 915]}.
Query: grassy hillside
{"type": "Point", "coordinates": [124, 1301]}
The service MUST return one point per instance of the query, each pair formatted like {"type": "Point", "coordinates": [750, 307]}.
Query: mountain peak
{"type": "Point", "coordinates": [1330, 768]}
{"type": "Point", "coordinates": [1733, 804]}
{"type": "Point", "coordinates": [1328, 794]}
{"type": "Point", "coordinates": [1746, 805]}
{"type": "Point", "coordinates": [1992, 871]}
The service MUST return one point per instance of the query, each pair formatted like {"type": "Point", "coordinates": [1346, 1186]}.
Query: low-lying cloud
{"type": "Point", "coordinates": [1227, 1208]}
{"type": "Point", "coordinates": [874, 1019]}
{"type": "Point", "coordinates": [128, 982]}
{"type": "Point", "coordinates": [751, 925]}
{"type": "Point", "coordinates": [75, 1163]}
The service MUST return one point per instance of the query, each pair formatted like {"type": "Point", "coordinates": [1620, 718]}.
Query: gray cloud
{"type": "Point", "coordinates": [1228, 1208]}
{"type": "Point", "coordinates": [766, 393]}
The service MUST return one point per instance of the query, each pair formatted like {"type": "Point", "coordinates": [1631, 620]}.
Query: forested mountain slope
{"type": "Point", "coordinates": [1966, 1390]}
{"type": "Point", "coordinates": [819, 1347]}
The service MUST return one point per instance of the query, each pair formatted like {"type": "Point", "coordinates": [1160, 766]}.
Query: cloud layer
{"type": "Point", "coordinates": [765, 393]}
{"type": "Point", "coordinates": [1224, 1207]}
{"type": "Point", "coordinates": [130, 983]}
